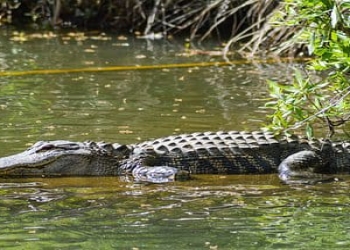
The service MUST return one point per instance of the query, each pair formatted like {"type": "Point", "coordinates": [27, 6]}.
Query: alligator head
{"type": "Point", "coordinates": [65, 158]}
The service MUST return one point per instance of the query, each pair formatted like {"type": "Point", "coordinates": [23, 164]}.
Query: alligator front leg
{"type": "Point", "coordinates": [304, 167]}
{"type": "Point", "coordinates": [143, 169]}
{"type": "Point", "coordinates": [159, 174]}
{"type": "Point", "coordinates": [156, 174]}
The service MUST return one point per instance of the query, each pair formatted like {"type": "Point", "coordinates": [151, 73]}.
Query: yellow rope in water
{"type": "Point", "coordinates": [145, 67]}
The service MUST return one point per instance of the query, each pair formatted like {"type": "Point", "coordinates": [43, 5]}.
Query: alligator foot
{"type": "Point", "coordinates": [304, 167]}
{"type": "Point", "coordinates": [157, 174]}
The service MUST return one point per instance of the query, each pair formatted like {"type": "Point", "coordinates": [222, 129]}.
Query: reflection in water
{"type": "Point", "coordinates": [227, 212]}
{"type": "Point", "coordinates": [123, 106]}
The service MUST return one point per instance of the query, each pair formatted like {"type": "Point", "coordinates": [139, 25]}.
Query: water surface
{"type": "Point", "coordinates": [234, 212]}
{"type": "Point", "coordinates": [208, 212]}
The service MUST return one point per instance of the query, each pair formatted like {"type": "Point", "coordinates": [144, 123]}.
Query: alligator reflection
{"type": "Point", "coordinates": [216, 211]}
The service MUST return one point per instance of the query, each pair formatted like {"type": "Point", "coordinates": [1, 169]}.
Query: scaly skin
{"type": "Point", "coordinates": [198, 153]}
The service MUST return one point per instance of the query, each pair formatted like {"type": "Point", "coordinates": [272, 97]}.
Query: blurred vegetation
{"type": "Point", "coordinates": [198, 19]}
{"type": "Point", "coordinates": [245, 25]}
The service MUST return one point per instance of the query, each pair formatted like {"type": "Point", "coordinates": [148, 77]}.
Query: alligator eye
{"type": "Point", "coordinates": [46, 147]}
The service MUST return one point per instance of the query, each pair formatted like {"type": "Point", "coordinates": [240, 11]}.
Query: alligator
{"type": "Point", "coordinates": [180, 156]}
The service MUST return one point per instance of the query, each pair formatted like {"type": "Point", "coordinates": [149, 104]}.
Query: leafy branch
{"type": "Point", "coordinates": [321, 96]}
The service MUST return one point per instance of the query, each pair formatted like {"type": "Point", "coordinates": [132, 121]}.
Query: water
{"type": "Point", "coordinates": [121, 106]}
{"type": "Point", "coordinates": [234, 212]}
{"type": "Point", "coordinates": [208, 212]}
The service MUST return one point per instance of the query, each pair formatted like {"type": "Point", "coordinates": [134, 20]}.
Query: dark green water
{"type": "Point", "coordinates": [209, 212]}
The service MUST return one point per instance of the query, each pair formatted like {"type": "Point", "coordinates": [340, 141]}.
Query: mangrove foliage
{"type": "Point", "coordinates": [318, 97]}
{"type": "Point", "coordinates": [197, 19]}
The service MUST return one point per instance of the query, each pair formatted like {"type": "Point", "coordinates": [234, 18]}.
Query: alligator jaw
{"type": "Point", "coordinates": [22, 160]}
{"type": "Point", "coordinates": [30, 158]}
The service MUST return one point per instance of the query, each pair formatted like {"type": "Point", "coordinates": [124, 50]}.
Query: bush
{"type": "Point", "coordinates": [325, 29]}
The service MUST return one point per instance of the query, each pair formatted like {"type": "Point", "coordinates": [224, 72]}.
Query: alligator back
{"type": "Point", "coordinates": [230, 152]}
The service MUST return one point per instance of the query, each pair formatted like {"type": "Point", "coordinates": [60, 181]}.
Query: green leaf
{"type": "Point", "coordinates": [335, 16]}
{"type": "Point", "coordinates": [309, 131]}
{"type": "Point", "coordinates": [311, 47]}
